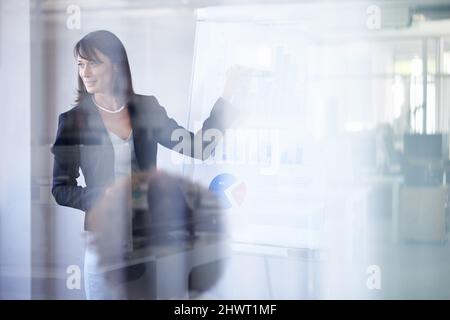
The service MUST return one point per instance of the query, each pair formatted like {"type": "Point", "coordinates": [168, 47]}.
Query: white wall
{"type": "Point", "coordinates": [15, 232]}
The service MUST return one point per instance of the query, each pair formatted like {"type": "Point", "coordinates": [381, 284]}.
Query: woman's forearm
{"type": "Point", "coordinates": [81, 198]}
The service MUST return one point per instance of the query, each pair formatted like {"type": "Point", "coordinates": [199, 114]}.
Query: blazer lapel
{"type": "Point", "coordinates": [139, 133]}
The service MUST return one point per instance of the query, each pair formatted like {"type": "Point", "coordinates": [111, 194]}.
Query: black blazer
{"type": "Point", "coordinates": [82, 142]}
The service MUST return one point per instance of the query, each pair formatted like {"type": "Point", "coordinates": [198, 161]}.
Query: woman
{"type": "Point", "coordinates": [111, 133]}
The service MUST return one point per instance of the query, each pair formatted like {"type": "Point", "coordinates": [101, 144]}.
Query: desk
{"type": "Point", "coordinates": [394, 182]}
{"type": "Point", "coordinates": [264, 271]}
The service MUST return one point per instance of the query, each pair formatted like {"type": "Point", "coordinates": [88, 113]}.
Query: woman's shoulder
{"type": "Point", "coordinates": [73, 110]}
{"type": "Point", "coordinates": [72, 118]}
{"type": "Point", "coordinates": [82, 106]}
{"type": "Point", "coordinates": [147, 105]}
{"type": "Point", "coordinates": [145, 100]}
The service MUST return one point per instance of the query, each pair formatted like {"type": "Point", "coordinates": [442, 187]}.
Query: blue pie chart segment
{"type": "Point", "coordinates": [230, 190]}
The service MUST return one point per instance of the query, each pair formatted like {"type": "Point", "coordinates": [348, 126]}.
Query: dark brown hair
{"type": "Point", "coordinates": [110, 45]}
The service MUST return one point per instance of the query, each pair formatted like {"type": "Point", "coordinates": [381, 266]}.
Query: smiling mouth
{"type": "Point", "coordinates": [90, 82]}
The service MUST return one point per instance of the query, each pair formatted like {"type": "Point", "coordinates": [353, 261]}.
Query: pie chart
{"type": "Point", "coordinates": [230, 190]}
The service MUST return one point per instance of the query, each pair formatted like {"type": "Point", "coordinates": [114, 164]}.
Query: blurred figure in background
{"type": "Point", "coordinates": [388, 157]}
{"type": "Point", "coordinates": [179, 219]}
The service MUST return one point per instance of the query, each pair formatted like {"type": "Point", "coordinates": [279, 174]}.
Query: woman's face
{"type": "Point", "coordinates": [97, 76]}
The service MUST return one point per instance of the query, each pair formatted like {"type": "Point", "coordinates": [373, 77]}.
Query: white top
{"type": "Point", "coordinates": [125, 164]}
{"type": "Point", "coordinates": [124, 156]}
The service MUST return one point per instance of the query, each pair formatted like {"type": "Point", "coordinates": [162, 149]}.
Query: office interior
{"type": "Point", "coordinates": [340, 165]}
